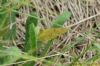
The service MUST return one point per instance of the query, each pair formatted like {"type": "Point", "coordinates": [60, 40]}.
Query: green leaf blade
{"type": "Point", "coordinates": [61, 19]}
{"type": "Point", "coordinates": [31, 36]}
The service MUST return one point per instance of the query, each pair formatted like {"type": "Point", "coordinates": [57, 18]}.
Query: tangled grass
{"type": "Point", "coordinates": [81, 44]}
{"type": "Point", "coordinates": [84, 28]}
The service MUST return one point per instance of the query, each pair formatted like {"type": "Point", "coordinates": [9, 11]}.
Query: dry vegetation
{"type": "Point", "coordinates": [85, 11]}
{"type": "Point", "coordinates": [84, 23]}
{"type": "Point", "coordinates": [84, 29]}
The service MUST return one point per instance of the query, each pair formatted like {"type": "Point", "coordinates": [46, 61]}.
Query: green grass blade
{"type": "Point", "coordinates": [3, 18]}
{"type": "Point", "coordinates": [12, 27]}
{"type": "Point", "coordinates": [7, 18]}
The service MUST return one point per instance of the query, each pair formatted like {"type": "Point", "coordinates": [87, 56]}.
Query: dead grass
{"type": "Point", "coordinates": [85, 17]}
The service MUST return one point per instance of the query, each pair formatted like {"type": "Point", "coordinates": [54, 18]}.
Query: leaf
{"type": "Point", "coordinates": [31, 34]}
{"type": "Point", "coordinates": [51, 33]}
{"type": "Point", "coordinates": [61, 19]}
{"type": "Point", "coordinates": [9, 55]}
{"type": "Point", "coordinates": [31, 40]}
